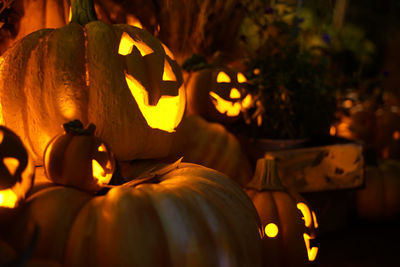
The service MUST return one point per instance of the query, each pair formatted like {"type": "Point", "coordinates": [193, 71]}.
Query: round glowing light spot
{"type": "Point", "coordinates": [348, 103]}
{"type": "Point", "coordinates": [222, 77]}
{"type": "Point", "coordinates": [256, 71]}
{"type": "Point", "coordinates": [332, 130]}
{"type": "Point", "coordinates": [271, 230]}
{"type": "Point", "coordinates": [396, 135]}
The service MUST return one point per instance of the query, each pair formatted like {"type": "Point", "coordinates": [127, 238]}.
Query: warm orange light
{"type": "Point", "coordinates": [396, 135]}
{"type": "Point", "coordinates": [102, 148]}
{"type": "Point", "coordinates": [8, 198]}
{"type": "Point", "coordinates": [70, 14]}
{"type": "Point", "coordinates": [127, 43]}
{"type": "Point", "coordinates": [222, 77]}
{"type": "Point", "coordinates": [314, 219]}
{"type": "Point", "coordinates": [168, 112]}
{"type": "Point", "coordinates": [234, 94]}
{"type": "Point", "coordinates": [168, 74]}
{"type": "Point", "coordinates": [224, 106]}
{"type": "Point", "coordinates": [305, 210]}
{"type": "Point", "coordinates": [133, 21]}
{"type": "Point", "coordinates": [332, 130]}
{"type": "Point", "coordinates": [168, 52]}
{"type": "Point", "coordinates": [247, 101]}
{"type": "Point", "coordinates": [11, 164]}
{"type": "Point", "coordinates": [99, 174]}
{"type": "Point", "coordinates": [311, 251]}
{"type": "Point", "coordinates": [271, 230]}
{"type": "Point", "coordinates": [256, 71]}
{"type": "Point", "coordinates": [241, 78]}
{"type": "Point", "coordinates": [348, 103]}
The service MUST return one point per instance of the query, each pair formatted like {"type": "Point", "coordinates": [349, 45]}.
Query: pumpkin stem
{"type": "Point", "coordinates": [266, 176]}
{"type": "Point", "coordinates": [83, 11]}
{"type": "Point", "coordinates": [75, 127]}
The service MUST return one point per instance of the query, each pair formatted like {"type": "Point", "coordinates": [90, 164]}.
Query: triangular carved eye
{"type": "Point", "coordinates": [241, 78]}
{"type": "Point", "coordinates": [168, 74]}
{"type": "Point", "coordinates": [12, 164]}
{"type": "Point", "coordinates": [222, 77]}
{"type": "Point", "coordinates": [127, 43]}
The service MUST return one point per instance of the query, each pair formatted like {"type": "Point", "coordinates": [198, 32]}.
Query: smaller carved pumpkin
{"type": "Point", "coordinates": [79, 159]}
{"type": "Point", "coordinates": [217, 94]}
{"type": "Point", "coordinates": [16, 169]}
{"type": "Point", "coordinates": [289, 225]}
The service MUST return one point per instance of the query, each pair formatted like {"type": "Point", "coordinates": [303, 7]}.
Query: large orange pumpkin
{"type": "Point", "coordinates": [118, 77]}
{"type": "Point", "coordinates": [288, 222]}
{"type": "Point", "coordinates": [179, 215]}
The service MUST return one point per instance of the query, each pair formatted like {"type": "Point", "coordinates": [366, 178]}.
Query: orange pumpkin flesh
{"type": "Point", "coordinates": [76, 72]}
{"type": "Point", "coordinates": [186, 216]}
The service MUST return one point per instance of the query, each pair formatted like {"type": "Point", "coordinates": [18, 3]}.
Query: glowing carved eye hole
{"type": "Point", "coordinates": [102, 148]}
{"type": "Point", "coordinates": [241, 78]}
{"type": "Point", "coordinates": [222, 77]}
{"type": "Point", "coordinates": [168, 112]}
{"type": "Point", "coordinates": [306, 213]}
{"type": "Point", "coordinates": [127, 43]}
{"type": "Point", "coordinates": [271, 230]}
{"type": "Point", "coordinates": [11, 164]}
{"type": "Point", "coordinates": [168, 74]}
{"type": "Point", "coordinates": [234, 94]}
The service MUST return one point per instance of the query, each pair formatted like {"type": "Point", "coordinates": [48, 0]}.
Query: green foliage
{"type": "Point", "coordinates": [288, 77]}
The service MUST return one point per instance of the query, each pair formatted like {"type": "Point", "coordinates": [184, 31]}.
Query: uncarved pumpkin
{"type": "Point", "coordinates": [180, 215]}
{"type": "Point", "coordinates": [288, 223]}
{"type": "Point", "coordinates": [211, 145]}
{"type": "Point", "coordinates": [119, 77]}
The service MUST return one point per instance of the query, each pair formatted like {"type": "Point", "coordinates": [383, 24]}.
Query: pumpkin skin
{"type": "Point", "coordinates": [211, 145]}
{"type": "Point", "coordinates": [16, 170]}
{"type": "Point", "coordinates": [207, 87]}
{"type": "Point", "coordinates": [78, 72]}
{"type": "Point", "coordinates": [289, 212]}
{"type": "Point", "coordinates": [379, 199]}
{"type": "Point", "coordinates": [186, 216]}
{"type": "Point", "coordinates": [78, 158]}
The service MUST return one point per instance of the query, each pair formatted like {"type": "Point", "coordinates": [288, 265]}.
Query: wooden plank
{"type": "Point", "coordinates": [314, 169]}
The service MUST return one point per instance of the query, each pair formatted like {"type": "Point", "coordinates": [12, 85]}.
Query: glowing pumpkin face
{"type": "Point", "coordinates": [289, 225]}
{"type": "Point", "coordinates": [218, 94]}
{"type": "Point", "coordinates": [16, 169]}
{"type": "Point", "coordinates": [119, 77]}
{"type": "Point", "coordinates": [79, 159]}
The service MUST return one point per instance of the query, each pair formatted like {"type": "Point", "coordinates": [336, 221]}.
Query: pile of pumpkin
{"type": "Point", "coordinates": [98, 196]}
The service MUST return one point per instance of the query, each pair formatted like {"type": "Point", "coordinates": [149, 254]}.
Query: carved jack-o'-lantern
{"type": "Point", "coordinates": [289, 225]}
{"type": "Point", "coordinates": [79, 159]}
{"type": "Point", "coordinates": [16, 169]}
{"type": "Point", "coordinates": [217, 94]}
{"type": "Point", "coordinates": [119, 77]}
